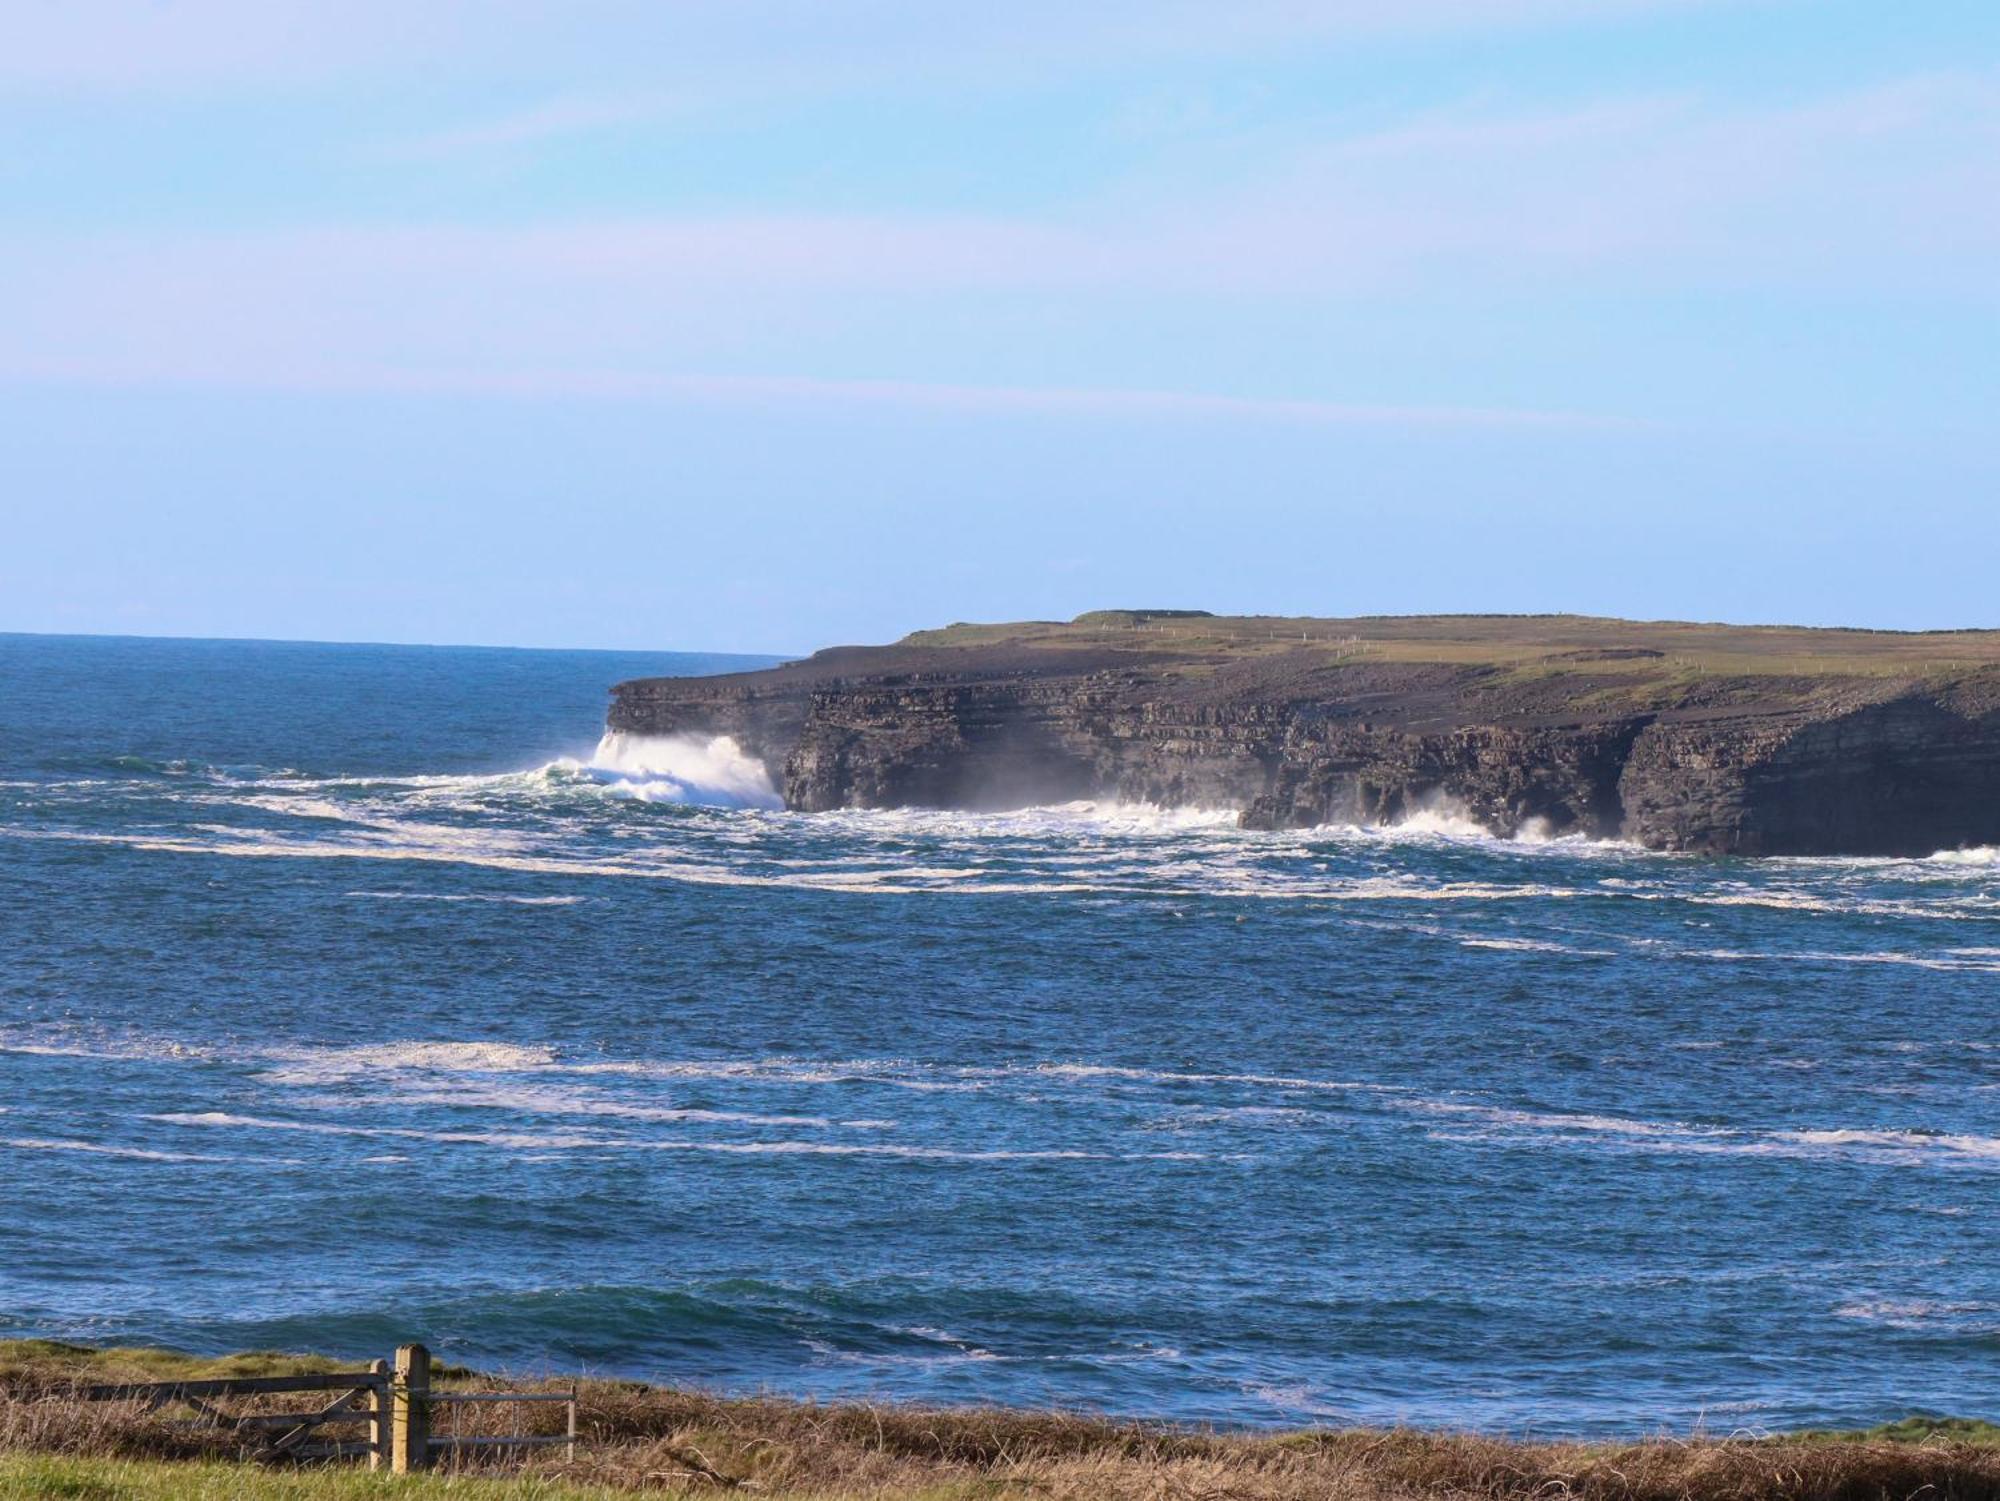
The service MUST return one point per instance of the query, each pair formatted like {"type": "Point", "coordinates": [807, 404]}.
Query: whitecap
{"type": "Point", "coordinates": [112, 1050]}
{"type": "Point", "coordinates": [1870, 1145]}
{"type": "Point", "coordinates": [521, 1141]}
{"type": "Point", "coordinates": [1084, 816]}
{"type": "Point", "coordinates": [544, 1100]}
{"type": "Point", "coordinates": [1914, 1313]}
{"type": "Point", "coordinates": [138, 1154]}
{"type": "Point", "coordinates": [1910, 1143]}
{"type": "Point", "coordinates": [326, 1065]}
{"type": "Point", "coordinates": [465, 896]}
{"type": "Point", "coordinates": [1950, 959]}
{"type": "Point", "coordinates": [1534, 946]}
{"type": "Point", "coordinates": [1167, 1076]}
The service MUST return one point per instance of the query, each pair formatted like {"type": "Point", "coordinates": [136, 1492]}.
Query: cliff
{"type": "Point", "coordinates": [1721, 739]}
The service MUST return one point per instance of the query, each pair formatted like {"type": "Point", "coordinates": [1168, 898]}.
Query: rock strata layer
{"type": "Point", "coordinates": [1713, 739]}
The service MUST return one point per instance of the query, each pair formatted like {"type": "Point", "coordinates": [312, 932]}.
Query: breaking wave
{"type": "Point", "coordinates": [1438, 816]}
{"type": "Point", "coordinates": [1983, 855]}
{"type": "Point", "coordinates": [713, 771]}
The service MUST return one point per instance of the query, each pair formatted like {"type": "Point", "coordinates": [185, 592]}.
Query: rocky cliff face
{"type": "Point", "coordinates": [1849, 762]}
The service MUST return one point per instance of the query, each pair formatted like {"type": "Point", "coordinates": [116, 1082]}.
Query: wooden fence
{"type": "Point", "coordinates": [394, 1400]}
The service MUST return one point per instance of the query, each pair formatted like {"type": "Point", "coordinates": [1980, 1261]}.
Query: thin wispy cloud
{"type": "Point", "coordinates": [1894, 183]}
{"type": "Point", "coordinates": [1895, 187]}
{"type": "Point", "coordinates": [551, 120]}
{"type": "Point", "coordinates": [1888, 189]}
{"type": "Point", "coordinates": [814, 391]}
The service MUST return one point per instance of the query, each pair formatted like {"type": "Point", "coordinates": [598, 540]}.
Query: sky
{"type": "Point", "coordinates": [763, 325]}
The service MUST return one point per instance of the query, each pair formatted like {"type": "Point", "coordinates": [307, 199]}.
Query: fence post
{"type": "Point", "coordinates": [379, 1420]}
{"type": "Point", "coordinates": [569, 1450]}
{"type": "Point", "coordinates": [410, 1445]}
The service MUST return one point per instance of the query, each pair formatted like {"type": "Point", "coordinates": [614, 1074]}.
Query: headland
{"type": "Point", "coordinates": [1718, 739]}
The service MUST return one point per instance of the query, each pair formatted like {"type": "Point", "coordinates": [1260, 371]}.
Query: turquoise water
{"type": "Point", "coordinates": [356, 994]}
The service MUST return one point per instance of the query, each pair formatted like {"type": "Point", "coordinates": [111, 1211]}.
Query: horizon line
{"type": "Point", "coordinates": [199, 638]}
{"type": "Point", "coordinates": [775, 658]}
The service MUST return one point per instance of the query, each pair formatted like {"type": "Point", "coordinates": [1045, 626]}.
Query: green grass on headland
{"type": "Point", "coordinates": [661, 1440]}
{"type": "Point", "coordinates": [1638, 649]}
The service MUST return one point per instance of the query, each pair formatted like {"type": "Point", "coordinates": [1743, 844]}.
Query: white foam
{"type": "Point", "coordinates": [916, 1153]}
{"type": "Point", "coordinates": [1978, 855]}
{"type": "Point", "coordinates": [1912, 1143]}
{"type": "Point", "coordinates": [1237, 1115]}
{"type": "Point", "coordinates": [139, 1154]}
{"type": "Point", "coordinates": [1160, 1076]}
{"type": "Point", "coordinates": [463, 896]}
{"type": "Point", "coordinates": [1950, 959]}
{"type": "Point", "coordinates": [952, 1352]}
{"type": "Point", "coordinates": [1441, 817]}
{"type": "Point", "coordinates": [121, 1050]}
{"type": "Point", "coordinates": [522, 1080]}
{"type": "Point", "coordinates": [713, 770]}
{"type": "Point", "coordinates": [484, 850]}
{"type": "Point", "coordinates": [520, 1141]}
{"type": "Point", "coordinates": [1438, 817]}
{"type": "Point", "coordinates": [543, 1100]}
{"type": "Point", "coordinates": [1866, 1145]}
{"type": "Point", "coordinates": [1532, 946]}
{"type": "Point", "coordinates": [1912, 1313]}
{"type": "Point", "coordinates": [1059, 820]}
{"type": "Point", "coordinates": [1567, 1121]}
{"type": "Point", "coordinates": [327, 1065]}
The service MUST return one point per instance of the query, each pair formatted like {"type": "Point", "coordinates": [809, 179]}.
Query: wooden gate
{"type": "Point", "coordinates": [362, 1397]}
{"type": "Point", "coordinates": [395, 1402]}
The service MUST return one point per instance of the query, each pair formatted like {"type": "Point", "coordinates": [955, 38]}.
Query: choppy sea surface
{"type": "Point", "coordinates": [356, 994]}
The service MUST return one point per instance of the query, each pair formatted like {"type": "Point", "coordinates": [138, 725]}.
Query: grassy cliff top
{"type": "Point", "coordinates": [1420, 670]}
{"type": "Point", "coordinates": [1602, 645]}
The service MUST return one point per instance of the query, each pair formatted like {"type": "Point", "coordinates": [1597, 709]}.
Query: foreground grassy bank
{"type": "Point", "coordinates": [55, 1476]}
{"type": "Point", "coordinates": [659, 1439]}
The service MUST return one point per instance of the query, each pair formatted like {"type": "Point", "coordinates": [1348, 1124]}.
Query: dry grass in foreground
{"type": "Point", "coordinates": [660, 1439]}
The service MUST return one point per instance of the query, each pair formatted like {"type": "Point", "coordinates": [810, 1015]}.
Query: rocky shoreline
{"type": "Point", "coordinates": [1713, 739]}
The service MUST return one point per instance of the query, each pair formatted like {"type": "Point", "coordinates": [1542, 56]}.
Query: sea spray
{"type": "Point", "coordinates": [1440, 816]}
{"type": "Point", "coordinates": [713, 770]}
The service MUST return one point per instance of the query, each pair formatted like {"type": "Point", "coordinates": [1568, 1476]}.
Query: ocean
{"type": "Point", "coordinates": [357, 994]}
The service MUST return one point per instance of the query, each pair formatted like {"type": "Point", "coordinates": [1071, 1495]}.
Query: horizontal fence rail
{"type": "Point", "coordinates": [160, 1392]}
{"type": "Point", "coordinates": [395, 1400]}
{"type": "Point", "coordinates": [447, 1399]}
{"type": "Point", "coordinates": [456, 1443]}
{"type": "Point", "coordinates": [285, 1435]}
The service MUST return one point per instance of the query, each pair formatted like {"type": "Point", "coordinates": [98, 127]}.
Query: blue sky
{"type": "Point", "coordinates": [763, 324]}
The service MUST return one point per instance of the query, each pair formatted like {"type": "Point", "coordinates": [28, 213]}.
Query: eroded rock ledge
{"type": "Point", "coordinates": [1720, 739]}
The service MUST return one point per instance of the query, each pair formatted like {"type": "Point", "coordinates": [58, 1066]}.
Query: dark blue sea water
{"type": "Point", "coordinates": [356, 994]}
